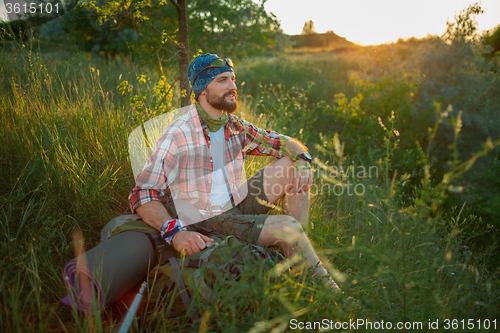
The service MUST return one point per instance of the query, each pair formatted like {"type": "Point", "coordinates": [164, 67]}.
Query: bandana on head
{"type": "Point", "coordinates": [205, 77]}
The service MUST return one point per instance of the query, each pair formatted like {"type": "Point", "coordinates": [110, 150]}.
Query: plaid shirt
{"type": "Point", "coordinates": [181, 166]}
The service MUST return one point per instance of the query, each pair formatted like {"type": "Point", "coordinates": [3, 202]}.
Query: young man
{"type": "Point", "coordinates": [200, 159]}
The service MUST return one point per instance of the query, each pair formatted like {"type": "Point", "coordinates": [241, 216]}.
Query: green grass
{"type": "Point", "coordinates": [64, 165]}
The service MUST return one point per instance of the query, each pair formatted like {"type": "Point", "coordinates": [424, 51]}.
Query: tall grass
{"type": "Point", "coordinates": [65, 165]}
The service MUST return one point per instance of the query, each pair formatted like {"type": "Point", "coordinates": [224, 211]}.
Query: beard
{"type": "Point", "coordinates": [220, 102]}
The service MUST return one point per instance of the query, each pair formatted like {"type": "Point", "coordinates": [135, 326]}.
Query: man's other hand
{"type": "Point", "coordinates": [190, 241]}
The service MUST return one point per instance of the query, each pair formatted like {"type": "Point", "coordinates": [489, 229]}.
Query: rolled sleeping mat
{"type": "Point", "coordinates": [106, 272]}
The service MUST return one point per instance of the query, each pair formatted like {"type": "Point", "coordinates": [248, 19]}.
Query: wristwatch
{"type": "Point", "coordinates": [305, 156]}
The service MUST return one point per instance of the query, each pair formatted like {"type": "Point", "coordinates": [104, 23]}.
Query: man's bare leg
{"type": "Point", "coordinates": [297, 205]}
{"type": "Point", "coordinates": [287, 231]}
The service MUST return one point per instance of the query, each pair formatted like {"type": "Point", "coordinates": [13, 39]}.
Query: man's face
{"type": "Point", "coordinates": [221, 92]}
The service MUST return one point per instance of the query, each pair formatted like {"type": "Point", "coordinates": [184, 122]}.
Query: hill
{"type": "Point", "coordinates": [317, 40]}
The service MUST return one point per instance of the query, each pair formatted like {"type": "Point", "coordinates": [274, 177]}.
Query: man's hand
{"type": "Point", "coordinates": [189, 241]}
{"type": "Point", "coordinates": [300, 177]}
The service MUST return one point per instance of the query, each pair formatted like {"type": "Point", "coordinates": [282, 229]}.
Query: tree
{"type": "Point", "coordinates": [465, 26]}
{"type": "Point", "coordinates": [308, 28]}
{"type": "Point", "coordinates": [170, 28]}
{"type": "Point", "coordinates": [493, 40]}
{"type": "Point", "coordinates": [81, 27]}
{"type": "Point", "coordinates": [183, 49]}
{"type": "Point", "coordinates": [236, 28]}
{"type": "Point", "coordinates": [139, 13]}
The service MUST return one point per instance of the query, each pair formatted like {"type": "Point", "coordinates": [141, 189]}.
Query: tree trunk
{"type": "Point", "coordinates": [183, 51]}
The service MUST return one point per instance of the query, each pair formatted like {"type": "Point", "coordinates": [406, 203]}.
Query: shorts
{"type": "Point", "coordinates": [246, 219]}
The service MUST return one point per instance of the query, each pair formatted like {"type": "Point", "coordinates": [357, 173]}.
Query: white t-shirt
{"type": "Point", "coordinates": [220, 194]}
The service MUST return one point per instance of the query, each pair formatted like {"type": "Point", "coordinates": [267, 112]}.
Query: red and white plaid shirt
{"type": "Point", "coordinates": [181, 166]}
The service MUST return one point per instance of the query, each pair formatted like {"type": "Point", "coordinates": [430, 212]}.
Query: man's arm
{"type": "Point", "coordinates": [150, 186]}
{"type": "Point", "coordinates": [155, 215]}
{"type": "Point", "coordinates": [270, 143]}
{"type": "Point", "coordinates": [153, 182]}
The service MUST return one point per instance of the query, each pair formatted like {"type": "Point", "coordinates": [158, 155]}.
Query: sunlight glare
{"type": "Point", "coordinates": [368, 22]}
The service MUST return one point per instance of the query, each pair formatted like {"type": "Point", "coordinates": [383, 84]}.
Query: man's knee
{"type": "Point", "coordinates": [283, 231]}
{"type": "Point", "coordinates": [282, 221]}
{"type": "Point", "coordinates": [281, 228]}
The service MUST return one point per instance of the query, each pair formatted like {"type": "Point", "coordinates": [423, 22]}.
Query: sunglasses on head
{"type": "Point", "coordinates": [217, 63]}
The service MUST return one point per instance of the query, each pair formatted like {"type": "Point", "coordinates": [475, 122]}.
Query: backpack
{"type": "Point", "coordinates": [175, 282]}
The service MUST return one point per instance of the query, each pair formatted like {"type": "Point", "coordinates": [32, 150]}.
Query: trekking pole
{"type": "Point", "coordinates": [126, 321]}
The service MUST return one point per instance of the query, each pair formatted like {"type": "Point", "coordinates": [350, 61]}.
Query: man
{"type": "Point", "coordinates": [199, 159]}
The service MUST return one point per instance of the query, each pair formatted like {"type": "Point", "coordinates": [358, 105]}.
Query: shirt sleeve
{"type": "Point", "coordinates": [262, 142]}
{"type": "Point", "coordinates": [160, 171]}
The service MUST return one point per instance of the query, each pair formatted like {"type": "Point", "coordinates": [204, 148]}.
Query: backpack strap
{"type": "Point", "coordinates": [186, 300]}
{"type": "Point", "coordinates": [171, 313]}
{"type": "Point", "coordinates": [163, 250]}
{"type": "Point", "coordinates": [201, 285]}
{"type": "Point", "coordinates": [192, 263]}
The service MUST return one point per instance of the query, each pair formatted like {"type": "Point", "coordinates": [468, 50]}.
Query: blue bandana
{"type": "Point", "coordinates": [205, 77]}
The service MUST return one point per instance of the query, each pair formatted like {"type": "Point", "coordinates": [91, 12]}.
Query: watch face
{"type": "Point", "coordinates": [306, 156]}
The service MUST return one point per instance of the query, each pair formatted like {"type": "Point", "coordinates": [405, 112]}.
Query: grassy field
{"type": "Point", "coordinates": [398, 246]}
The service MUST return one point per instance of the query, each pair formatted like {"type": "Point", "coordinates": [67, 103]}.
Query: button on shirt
{"type": "Point", "coordinates": [181, 166]}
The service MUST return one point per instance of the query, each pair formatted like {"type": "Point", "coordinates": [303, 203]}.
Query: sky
{"type": "Point", "coordinates": [372, 22]}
